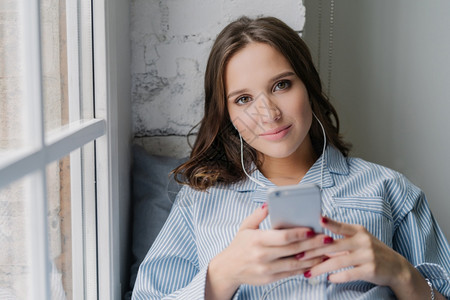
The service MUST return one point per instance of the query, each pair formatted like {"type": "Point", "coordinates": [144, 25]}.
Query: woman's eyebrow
{"type": "Point", "coordinates": [282, 75]}
{"type": "Point", "coordinates": [236, 93]}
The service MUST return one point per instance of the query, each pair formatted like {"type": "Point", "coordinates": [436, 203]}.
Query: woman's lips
{"type": "Point", "coordinates": [276, 133]}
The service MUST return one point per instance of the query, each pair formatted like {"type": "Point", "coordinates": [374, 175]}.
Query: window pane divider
{"type": "Point", "coordinates": [58, 144]}
{"type": "Point", "coordinates": [77, 208]}
{"type": "Point", "coordinates": [38, 281]}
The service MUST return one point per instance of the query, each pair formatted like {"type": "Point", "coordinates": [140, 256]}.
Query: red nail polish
{"type": "Point", "coordinates": [324, 220]}
{"type": "Point", "coordinates": [300, 255]}
{"type": "Point", "coordinates": [325, 259]}
{"type": "Point", "coordinates": [310, 234]}
{"type": "Point", "coordinates": [264, 205]}
{"type": "Point", "coordinates": [327, 240]}
{"type": "Point", "coordinates": [307, 274]}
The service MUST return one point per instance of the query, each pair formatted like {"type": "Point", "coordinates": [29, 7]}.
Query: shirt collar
{"type": "Point", "coordinates": [335, 163]}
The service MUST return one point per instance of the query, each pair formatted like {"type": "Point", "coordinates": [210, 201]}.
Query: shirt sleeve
{"type": "Point", "coordinates": [419, 239]}
{"type": "Point", "coordinates": [170, 269]}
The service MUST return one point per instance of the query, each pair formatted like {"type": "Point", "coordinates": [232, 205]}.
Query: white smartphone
{"type": "Point", "coordinates": [295, 206]}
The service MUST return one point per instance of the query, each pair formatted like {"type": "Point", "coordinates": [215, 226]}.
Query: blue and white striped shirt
{"type": "Point", "coordinates": [202, 224]}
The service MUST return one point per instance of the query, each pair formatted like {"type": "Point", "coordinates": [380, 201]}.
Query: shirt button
{"type": "Point", "coordinates": [317, 280]}
{"type": "Point", "coordinates": [314, 281]}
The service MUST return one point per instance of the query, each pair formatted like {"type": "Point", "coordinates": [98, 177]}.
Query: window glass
{"type": "Point", "coordinates": [60, 228]}
{"type": "Point", "coordinates": [71, 226]}
{"type": "Point", "coordinates": [15, 235]}
{"type": "Point", "coordinates": [54, 63]}
{"type": "Point", "coordinates": [11, 77]}
{"type": "Point", "coordinates": [14, 254]}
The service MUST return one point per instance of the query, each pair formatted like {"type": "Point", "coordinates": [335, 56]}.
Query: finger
{"type": "Point", "coordinates": [291, 264]}
{"type": "Point", "coordinates": [253, 221]}
{"type": "Point", "coordinates": [339, 262]}
{"type": "Point", "coordinates": [334, 254]}
{"type": "Point", "coordinates": [282, 275]}
{"type": "Point", "coordinates": [306, 246]}
{"type": "Point", "coordinates": [295, 249]}
{"type": "Point", "coordinates": [282, 237]}
{"type": "Point", "coordinates": [353, 274]}
{"type": "Point", "coordinates": [334, 248]}
{"type": "Point", "coordinates": [338, 227]}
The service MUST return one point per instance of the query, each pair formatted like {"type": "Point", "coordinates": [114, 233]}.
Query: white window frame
{"type": "Point", "coordinates": [112, 82]}
{"type": "Point", "coordinates": [98, 275]}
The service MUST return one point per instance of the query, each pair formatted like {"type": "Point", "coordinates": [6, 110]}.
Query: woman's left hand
{"type": "Point", "coordinates": [371, 260]}
{"type": "Point", "coordinates": [366, 258]}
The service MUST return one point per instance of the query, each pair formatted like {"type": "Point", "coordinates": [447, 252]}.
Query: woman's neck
{"type": "Point", "coordinates": [289, 170]}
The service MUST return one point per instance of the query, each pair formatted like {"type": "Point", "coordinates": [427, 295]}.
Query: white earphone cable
{"type": "Point", "coordinates": [323, 150]}
{"type": "Point", "coordinates": [243, 168]}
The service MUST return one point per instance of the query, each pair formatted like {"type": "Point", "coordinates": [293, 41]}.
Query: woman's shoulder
{"type": "Point", "coordinates": [360, 165]}
{"type": "Point", "coordinates": [391, 181]}
{"type": "Point", "coordinates": [355, 166]}
{"type": "Point", "coordinates": [390, 189]}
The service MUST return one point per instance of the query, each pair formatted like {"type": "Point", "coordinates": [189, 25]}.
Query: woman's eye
{"type": "Point", "coordinates": [243, 100]}
{"type": "Point", "coordinates": [282, 85]}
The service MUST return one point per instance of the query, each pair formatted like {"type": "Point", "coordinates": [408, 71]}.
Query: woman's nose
{"type": "Point", "coordinates": [267, 109]}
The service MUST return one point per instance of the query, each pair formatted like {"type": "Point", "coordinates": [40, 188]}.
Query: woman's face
{"type": "Point", "coordinates": [267, 103]}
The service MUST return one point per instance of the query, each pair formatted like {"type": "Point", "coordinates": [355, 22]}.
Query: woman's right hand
{"type": "Point", "coordinates": [258, 257]}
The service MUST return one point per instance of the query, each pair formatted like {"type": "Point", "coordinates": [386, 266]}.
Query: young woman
{"type": "Point", "coordinates": [267, 122]}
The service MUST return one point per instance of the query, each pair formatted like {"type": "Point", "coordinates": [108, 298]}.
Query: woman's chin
{"type": "Point", "coordinates": [277, 153]}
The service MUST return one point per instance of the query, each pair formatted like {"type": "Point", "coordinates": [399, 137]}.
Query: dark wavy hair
{"type": "Point", "coordinates": [215, 157]}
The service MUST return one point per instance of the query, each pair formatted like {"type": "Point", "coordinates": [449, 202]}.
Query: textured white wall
{"type": "Point", "coordinates": [170, 43]}
{"type": "Point", "coordinates": [390, 83]}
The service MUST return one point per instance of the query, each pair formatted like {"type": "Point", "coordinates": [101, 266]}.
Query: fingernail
{"type": "Point", "coordinates": [264, 205]}
{"type": "Point", "coordinates": [328, 277]}
{"type": "Point", "coordinates": [325, 259]}
{"type": "Point", "coordinates": [327, 240]}
{"type": "Point", "coordinates": [299, 255]}
{"type": "Point", "coordinates": [324, 220]}
{"type": "Point", "coordinates": [307, 274]}
{"type": "Point", "coordinates": [310, 234]}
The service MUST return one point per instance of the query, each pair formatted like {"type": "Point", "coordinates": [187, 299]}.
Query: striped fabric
{"type": "Point", "coordinates": [202, 224]}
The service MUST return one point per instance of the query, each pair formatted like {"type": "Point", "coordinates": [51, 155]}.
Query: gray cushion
{"type": "Point", "coordinates": [154, 191]}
